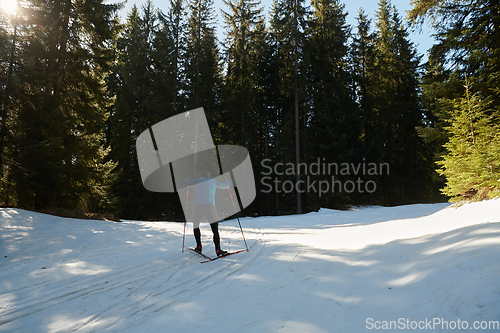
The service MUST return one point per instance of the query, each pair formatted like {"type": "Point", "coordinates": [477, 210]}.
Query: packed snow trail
{"type": "Point", "coordinates": [330, 271]}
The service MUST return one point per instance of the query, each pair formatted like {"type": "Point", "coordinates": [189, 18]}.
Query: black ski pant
{"type": "Point", "coordinates": [201, 212]}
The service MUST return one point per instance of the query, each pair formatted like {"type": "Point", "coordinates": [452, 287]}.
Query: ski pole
{"type": "Point", "coordinates": [242, 233]}
{"type": "Point", "coordinates": [185, 222]}
{"type": "Point", "coordinates": [238, 218]}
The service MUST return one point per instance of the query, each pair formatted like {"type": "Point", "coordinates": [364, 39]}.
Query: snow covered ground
{"type": "Point", "coordinates": [428, 268]}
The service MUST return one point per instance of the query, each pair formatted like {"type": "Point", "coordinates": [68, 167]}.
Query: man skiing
{"type": "Point", "coordinates": [205, 208]}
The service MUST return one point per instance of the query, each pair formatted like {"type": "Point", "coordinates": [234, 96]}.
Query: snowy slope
{"type": "Point", "coordinates": [330, 271]}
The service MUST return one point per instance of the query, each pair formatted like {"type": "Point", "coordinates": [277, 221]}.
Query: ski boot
{"type": "Point", "coordinates": [220, 253]}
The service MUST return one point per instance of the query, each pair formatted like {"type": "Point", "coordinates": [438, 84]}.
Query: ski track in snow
{"type": "Point", "coordinates": [319, 272]}
{"type": "Point", "coordinates": [137, 290]}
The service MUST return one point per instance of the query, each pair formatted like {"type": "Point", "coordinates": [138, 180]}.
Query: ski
{"type": "Point", "coordinates": [228, 254]}
{"type": "Point", "coordinates": [207, 258]}
{"type": "Point", "coordinates": [201, 254]}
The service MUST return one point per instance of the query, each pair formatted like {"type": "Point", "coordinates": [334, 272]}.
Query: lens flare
{"type": "Point", "coordinates": [8, 6]}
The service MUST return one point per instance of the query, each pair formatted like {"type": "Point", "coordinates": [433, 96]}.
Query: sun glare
{"type": "Point", "coordinates": [9, 6]}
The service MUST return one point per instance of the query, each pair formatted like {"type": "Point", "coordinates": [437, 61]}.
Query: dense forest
{"type": "Point", "coordinates": [351, 113]}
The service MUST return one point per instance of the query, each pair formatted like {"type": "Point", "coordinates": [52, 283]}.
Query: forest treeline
{"type": "Point", "coordinates": [294, 85]}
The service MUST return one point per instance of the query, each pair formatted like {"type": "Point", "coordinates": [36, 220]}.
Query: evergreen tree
{"type": "Point", "coordinates": [169, 50]}
{"type": "Point", "coordinates": [203, 69]}
{"type": "Point", "coordinates": [362, 64]}
{"type": "Point", "coordinates": [288, 25]}
{"type": "Point", "coordinates": [8, 44]}
{"type": "Point", "coordinates": [439, 88]}
{"type": "Point", "coordinates": [396, 110]}
{"type": "Point", "coordinates": [241, 80]}
{"type": "Point", "coordinates": [137, 107]}
{"type": "Point", "coordinates": [472, 161]}
{"type": "Point", "coordinates": [334, 116]}
{"type": "Point", "coordinates": [61, 104]}
{"type": "Point", "coordinates": [266, 107]}
{"type": "Point", "coordinates": [468, 36]}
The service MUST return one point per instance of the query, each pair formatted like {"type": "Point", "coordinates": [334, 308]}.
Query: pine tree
{"type": "Point", "coordinates": [62, 104]}
{"type": "Point", "coordinates": [472, 161]}
{"type": "Point", "coordinates": [468, 39]}
{"type": "Point", "coordinates": [362, 61]}
{"type": "Point", "coordinates": [439, 88]}
{"type": "Point", "coordinates": [203, 69]}
{"type": "Point", "coordinates": [266, 108]}
{"type": "Point", "coordinates": [149, 84]}
{"type": "Point", "coordinates": [136, 108]}
{"type": "Point", "coordinates": [334, 116]}
{"type": "Point", "coordinates": [288, 24]}
{"type": "Point", "coordinates": [468, 35]}
{"type": "Point", "coordinates": [240, 89]}
{"type": "Point", "coordinates": [8, 44]}
{"type": "Point", "coordinates": [396, 110]}
{"type": "Point", "coordinates": [169, 50]}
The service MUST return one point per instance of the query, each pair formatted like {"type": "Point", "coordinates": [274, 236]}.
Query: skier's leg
{"type": "Point", "coordinates": [212, 217]}
{"type": "Point", "coordinates": [197, 237]}
{"type": "Point", "coordinates": [196, 227]}
{"type": "Point", "coordinates": [215, 230]}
